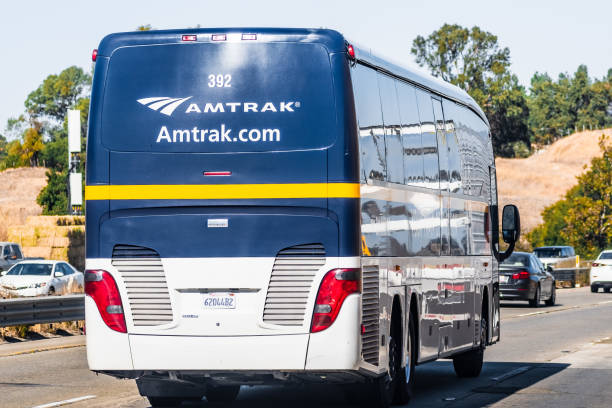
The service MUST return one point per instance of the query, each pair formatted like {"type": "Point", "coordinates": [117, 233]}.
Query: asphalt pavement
{"type": "Point", "coordinates": [550, 356]}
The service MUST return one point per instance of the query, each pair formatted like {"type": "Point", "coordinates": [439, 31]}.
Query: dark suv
{"type": "Point", "coordinates": [10, 254]}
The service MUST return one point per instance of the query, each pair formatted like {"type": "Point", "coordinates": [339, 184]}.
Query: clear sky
{"type": "Point", "coordinates": [41, 37]}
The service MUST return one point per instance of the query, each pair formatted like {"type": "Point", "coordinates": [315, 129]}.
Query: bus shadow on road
{"type": "Point", "coordinates": [436, 385]}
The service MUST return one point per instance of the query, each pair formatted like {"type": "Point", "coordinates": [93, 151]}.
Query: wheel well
{"type": "Point", "coordinates": [414, 316]}
{"type": "Point", "coordinates": [485, 308]}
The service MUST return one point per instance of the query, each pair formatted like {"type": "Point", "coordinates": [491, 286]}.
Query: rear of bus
{"type": "Point", "coordinates": [222, 205]}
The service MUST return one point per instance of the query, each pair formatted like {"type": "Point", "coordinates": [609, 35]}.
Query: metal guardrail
{"type": "Point", "coordinates": [572, 275]}
{"type": "Point", "coordinates": [36, 310]}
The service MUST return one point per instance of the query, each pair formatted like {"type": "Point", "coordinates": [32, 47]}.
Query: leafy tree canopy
{"type": "Point", "coordinates": [473, 60]}
{"type": "Point", "coordinates": [583, 218]}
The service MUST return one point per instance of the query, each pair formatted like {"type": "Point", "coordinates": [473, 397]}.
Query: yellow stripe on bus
{"type": "Point", "coordinates": [221, 191]}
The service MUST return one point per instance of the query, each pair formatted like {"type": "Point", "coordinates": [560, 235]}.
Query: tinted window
{"type": "Point", "coordinates": [428, 137]}
{"type": "Point", "coordinates": [411, 134]}
{"type": "Point", "coordinates": [548, 252]}
{"type": "Point", "coordinates": [369, 118]}
{"type": "Point", "coordinates": [6, 251]}
{"type": "Point", "coordinates": [16, 251]}
{"type": "Point", "coordinates": [605, 255]}
{"type": "Point", "coordinates": [517, 260]}
{"type": "Point", "coordinates": [454, 155]}
{"type": "Point", "coordinates": [442, 145]}
{"type": "Point", "coordinates": [32, 270]}
{"type": "Point", "coordinates": [15, 270]}
{"type": "Point", "coordinates": [391, 119]}
{"type": "Point", "coordinates": [161, 98]}
{"type": "Point", "coordinates": [66, 269]}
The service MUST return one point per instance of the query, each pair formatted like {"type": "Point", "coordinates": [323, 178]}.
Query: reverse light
{"type": "Point", "coordinates": [94, 54]}
{"type": "Point", "coordinates": [189, 37]}
{"type": "Point", "coordinates": [102, 288]}
{"type": "Point", "coordinates": [520, 275]}
{"type": "Point", "coordinates": [336, 285]}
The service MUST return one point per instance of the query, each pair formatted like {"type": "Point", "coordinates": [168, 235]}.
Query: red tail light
{"type": "Point", "coordinates": [595, 264]}
{"type": "Point", "coordinates": [337, 284]}
{"type": "Point", "coordinates": [351, 51]}
{"type": "Point", "coordinates": [102, 288]}
{"type": "Point", "coordinates": [94, 55]}
{"type": "Point", "coordinates": [520, 275]}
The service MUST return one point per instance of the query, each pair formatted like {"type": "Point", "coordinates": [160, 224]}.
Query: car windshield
{"type": "Point", "coordinates": [31, 270]}
{"type": "Point", "coordinates": [605, 255]}
{"type": "Point", "coordinates": [516, 260]}
{"type": "Point", "coordinates": [548, 253]}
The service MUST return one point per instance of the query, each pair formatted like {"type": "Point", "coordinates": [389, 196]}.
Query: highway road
{"type": "Point", "coordinates": [552, 356]}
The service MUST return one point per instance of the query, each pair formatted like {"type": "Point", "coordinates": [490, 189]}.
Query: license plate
{"type": "Point", "coordinates": [219, 301]}
{"type": "Point", "coordinates": [503, 279]}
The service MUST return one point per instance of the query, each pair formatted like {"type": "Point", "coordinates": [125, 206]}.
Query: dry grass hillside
{"type": "Point", "coordinates": [543, 178]}
{"type": "Point", "coordinates": [18, 191]}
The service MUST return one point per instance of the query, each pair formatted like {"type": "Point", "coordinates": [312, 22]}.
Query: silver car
{"type": "Point", "coordinates": [10, 254]}
{"type": "Point", "coordinates": [556, 256]}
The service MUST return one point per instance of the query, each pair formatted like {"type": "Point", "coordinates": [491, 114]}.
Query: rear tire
{"type": "Point", "coordinates": [594, 289]}
{"type": "Point", "coordinates": [553, 297]}
{"type": "Point", "coordinates": [535, 302]}
{"type": "Point", "coordinates": [405, 379]}
{"type": "Point", "coordinates": [469, 364]}
{"type": "Point", "coordinates": [222, 393]}
{"type": "Point", "coordinates": [51, 291]}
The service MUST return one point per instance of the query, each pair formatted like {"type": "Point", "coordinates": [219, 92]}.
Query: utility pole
{"type": "Point", "coordinates": [75, 186]}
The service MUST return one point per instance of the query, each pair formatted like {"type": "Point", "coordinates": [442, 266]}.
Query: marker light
{"type": "Point", "coordinates": [217, 173]}
{"type": "Point", "coordinates": [337, 284]}
{"type": "Point", "coordinates": [189, 37]}
{"type": "Point", "coordinates": [94, 55]}
{"type": "Point", "coordinates": [102, 288]}
{"type": "Point", "coordinates": [249, 36]}
{"type": "Point", "coordinates": [351, 51]}
{"type": "Point", "coordinates": [218, 37]}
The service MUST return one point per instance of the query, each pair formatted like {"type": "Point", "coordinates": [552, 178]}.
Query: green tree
{"type": "Point", "coordinates": [473, 60]}
{"type": "Point", "coordinates": [583, 218]}
{"type": "Point", "coordinates": [54, 197]}
{"type": "Point", "coordinates": [3, 149]}
{"type": "Point", "coordinates": [58, 93]}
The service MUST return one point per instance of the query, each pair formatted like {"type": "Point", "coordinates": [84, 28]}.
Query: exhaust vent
{"type": "Point", "coordinates": [370, 313]}
{"type": "Point", "coordinates": [290, 284]}
{"type": "Point", "coordinates": [143, 274]}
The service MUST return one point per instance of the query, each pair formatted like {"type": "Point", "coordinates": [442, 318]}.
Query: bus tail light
{"type": "Point", "coordinates": [102, 288]}
{"type": "Point", "coordinates": [337, 284]}
{"type": "Point", "coordinates": [94, 55]}
{"type": "Point", "coordinates": [520, 275]}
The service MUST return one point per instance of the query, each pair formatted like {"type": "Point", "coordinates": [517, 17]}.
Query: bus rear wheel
{"type": "Point", "coordinates": [469, 364]}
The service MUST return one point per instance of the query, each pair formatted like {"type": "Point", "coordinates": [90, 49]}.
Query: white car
{"type": "Point", "coordinates": [38, 278]}
{"type": "Point", "coordinates": [601, 272]}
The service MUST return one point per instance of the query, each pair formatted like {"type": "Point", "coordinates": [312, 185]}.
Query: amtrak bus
{"type": "Point", "coordinates": [270, 206]}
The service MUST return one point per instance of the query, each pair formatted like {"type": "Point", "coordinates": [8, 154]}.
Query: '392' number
{"type": "Point", "coordinates": [219, 81]}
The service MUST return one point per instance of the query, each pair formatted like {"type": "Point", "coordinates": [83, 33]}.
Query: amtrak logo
{"type": "Point", "coordinates": [167, 106]}
{"type": "Point", "coordinates": [159, 102]}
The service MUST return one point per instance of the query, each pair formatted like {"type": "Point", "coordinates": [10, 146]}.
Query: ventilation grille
{"type": "Point", "coordinates": [370, 313]}
{"type": "Point", "coordinates": [143, 274]}
{"type": "Point", "coordinates": [290, 283]}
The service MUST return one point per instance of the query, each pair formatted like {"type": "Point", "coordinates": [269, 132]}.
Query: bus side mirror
{"type": "Point", "coordinates": [511, 224]}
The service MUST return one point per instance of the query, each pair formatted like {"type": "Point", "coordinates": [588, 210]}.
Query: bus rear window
{"type": "Point", "coordinates": [234, 97]}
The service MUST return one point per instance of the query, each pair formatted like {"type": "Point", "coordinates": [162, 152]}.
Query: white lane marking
{"type": "Point", "coordinates": [511, 373]}
{"type": "Point", "coordinates": [65, 402]}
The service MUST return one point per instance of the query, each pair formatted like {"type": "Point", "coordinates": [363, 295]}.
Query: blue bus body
{"type": "Point", "coordinates": [242, 165]}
